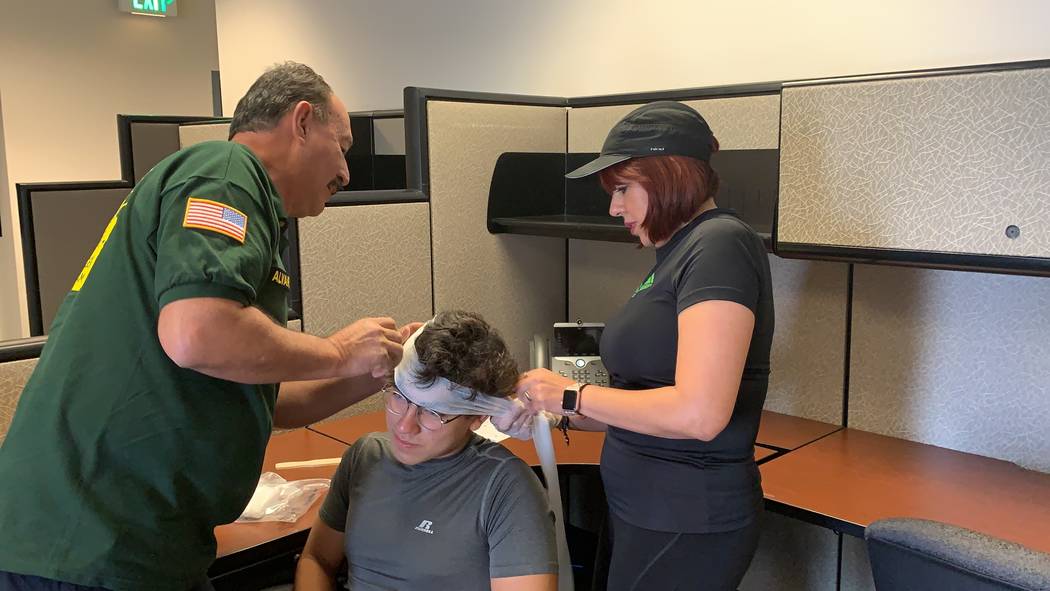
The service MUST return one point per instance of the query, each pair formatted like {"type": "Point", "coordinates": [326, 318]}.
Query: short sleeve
{"type": "Point", "coordinates": [721, 266]}
{"type": "Point", "coordinates": [336, 505]}
{"type": "Point", "coordinates": [214, 239]}
{"type": "Point", "coordinates": [519, 524]}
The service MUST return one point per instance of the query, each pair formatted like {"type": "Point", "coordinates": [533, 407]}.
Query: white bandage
{"type": "Point", "coordinates": [448, 398]}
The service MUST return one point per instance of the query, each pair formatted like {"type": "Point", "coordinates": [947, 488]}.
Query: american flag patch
{"type": "Point", "coordinates": [205, 214]}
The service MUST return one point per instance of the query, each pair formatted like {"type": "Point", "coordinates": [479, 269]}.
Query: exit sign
{"type": "Point", "coordinates": [149, 7]}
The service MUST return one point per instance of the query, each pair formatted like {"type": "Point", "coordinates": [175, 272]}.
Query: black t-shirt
{"type": "Point", "coordinates": [687, 485]}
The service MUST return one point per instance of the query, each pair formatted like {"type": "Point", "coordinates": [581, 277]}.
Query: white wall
{"type": "Point", "coordinates": [66, 70]}
{"type": "Point", "coordinates": [370, 49]}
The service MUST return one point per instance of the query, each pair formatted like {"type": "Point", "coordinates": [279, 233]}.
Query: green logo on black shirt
{"type": "Point", "coordinates": [645, 284]}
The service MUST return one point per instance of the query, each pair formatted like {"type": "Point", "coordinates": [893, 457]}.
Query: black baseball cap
{"type": "Point", "coordinates": [663, 128]}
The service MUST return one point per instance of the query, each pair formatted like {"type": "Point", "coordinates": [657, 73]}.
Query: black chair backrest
{"type": "Point", "coordinates": [909, 554]}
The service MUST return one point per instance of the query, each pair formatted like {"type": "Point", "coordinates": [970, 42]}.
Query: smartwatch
{"type": "Point", "coordinates": [570, 399]}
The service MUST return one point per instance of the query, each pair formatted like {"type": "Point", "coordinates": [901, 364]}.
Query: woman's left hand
{"type": "Point", "coordinates": [542, 389]}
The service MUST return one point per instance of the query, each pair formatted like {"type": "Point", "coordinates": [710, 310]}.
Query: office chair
{"type": "Point", "coordinates": [914, 554]}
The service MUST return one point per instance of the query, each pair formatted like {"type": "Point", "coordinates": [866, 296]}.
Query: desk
{"type": "Point", "coordinates": [584, 449]}
{"type": "Point", "coordinates": [763, 453]}
{"type": "Point", "coordinates": [851, 478]}
{"type": "Point", "coordinates": [786, 432]}
{"type": "Point", "coordinates": [241, 544]}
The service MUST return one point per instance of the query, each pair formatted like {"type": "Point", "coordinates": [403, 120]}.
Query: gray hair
{"type": "Point", "coordinates": [275, 93]}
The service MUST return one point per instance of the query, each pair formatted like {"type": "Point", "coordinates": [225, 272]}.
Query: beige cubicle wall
{"type": "Point", "coordinates": [13, 377]}
{"type": "Point", "coordinates": [954, 359]}
{"type": "Point", "coordinates": [604, 275]}
{"type": "Point", "coordinates": [360, 261]}
{"type": "Point", "coordinates": [935, 164]}
{"type": "Point", "coordinates": [202, 132]}
{"type": "Point", "coordinates": [739, 123]}
{"type": "Point", "coordinates": [516, 282]}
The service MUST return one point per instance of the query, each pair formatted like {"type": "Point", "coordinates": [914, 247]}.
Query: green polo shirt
{"type": "Point", "coordinates": [119, 464]}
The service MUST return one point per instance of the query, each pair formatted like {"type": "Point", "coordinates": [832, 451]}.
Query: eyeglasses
{"type": "Point", "coordinates": [397, 403]}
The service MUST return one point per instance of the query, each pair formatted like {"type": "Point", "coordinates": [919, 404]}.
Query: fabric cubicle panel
{"type": "Point", "coordinates": [362, 261]}
{"type": "Point", "coordinates": [67, 226]}
{"type": "Point", "coordinates": [809, 341]}
{"type": "Point", "coordinates": [953, 359]}
{"type": "Point", "coordinates": [603, 276]}
{"type": "Point", "coordinates": [739, 123]}
{"type": "Point", "coordinates": [793, 556]}
{"type": "Point", "coordinates": [516, 282]}
{"type": "Point", "coordinates": [152, 142]}
{"type": "Point", "coordinates": [388, 136]}
{"type": "Point", "coordinates": [934, 164]}
{"type": "Point", "coordinates": [206, 132]}
{"type": "Point", "coordinates": [13, 377]}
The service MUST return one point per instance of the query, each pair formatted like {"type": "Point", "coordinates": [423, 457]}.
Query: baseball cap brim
{"type": "Point", "coordinates": [597, 165]}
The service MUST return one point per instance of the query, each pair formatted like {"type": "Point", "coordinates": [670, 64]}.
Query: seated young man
{"type": "Point", "coordinates": [429, 505]}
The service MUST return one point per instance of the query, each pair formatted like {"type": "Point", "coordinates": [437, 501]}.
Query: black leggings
{"type": "Point", "coordinates": [647, 560]}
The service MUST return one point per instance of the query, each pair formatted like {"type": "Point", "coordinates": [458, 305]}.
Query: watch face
{"type": "Point", "coordinates": [568, 400]}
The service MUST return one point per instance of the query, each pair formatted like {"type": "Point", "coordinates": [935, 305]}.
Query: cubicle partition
{"type": "Point", "coordinates": [17, 360]}
{"type": "Point", "coordinates": [516, 282]}
{"type": "Point", "coordinates": [363, 261]}
{"type": "Point", "coordinates": [62, 222]}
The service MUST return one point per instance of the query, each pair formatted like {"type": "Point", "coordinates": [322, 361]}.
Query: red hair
{"type": "Point", "coordinates": [677, 187]}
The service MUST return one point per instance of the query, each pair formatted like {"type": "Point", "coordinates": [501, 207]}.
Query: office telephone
{"type": "Point", "coordinates": [575, 352]}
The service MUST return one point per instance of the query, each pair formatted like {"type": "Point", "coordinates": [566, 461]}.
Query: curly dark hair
{"type": "Point", "coordinates": [464, 349]}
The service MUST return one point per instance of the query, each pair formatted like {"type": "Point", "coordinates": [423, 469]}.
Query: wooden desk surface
{"type": "Point", "coordinates": [763, 453]}
{"type": "Point", "coordinates": [300, 444]}
{"type": "Point", "coordinates": [585, 448]}
{"type": "Point", "coordinates": [787, 432]}
{"type": "Point", "coordinates": [855, 477]}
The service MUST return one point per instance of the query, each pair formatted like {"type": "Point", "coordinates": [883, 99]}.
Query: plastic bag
{"type": "Point", "coordinates": [276, 499]}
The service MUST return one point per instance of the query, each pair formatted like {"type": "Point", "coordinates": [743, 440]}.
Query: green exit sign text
{"type": "Point", "coordinates": [150, 7]}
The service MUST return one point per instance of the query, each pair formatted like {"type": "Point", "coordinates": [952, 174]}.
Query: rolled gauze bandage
{"type": "Point", "coordinates": [508, 415]}
{"type": "Point", "coordinates": [445, 397]}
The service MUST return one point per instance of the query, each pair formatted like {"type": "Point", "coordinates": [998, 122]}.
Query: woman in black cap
{"type": "Point", "coordinates": [688, 358]}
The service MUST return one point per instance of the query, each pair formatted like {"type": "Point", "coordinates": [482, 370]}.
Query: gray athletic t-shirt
{"type": "Point", "coordinates": [449, 523]}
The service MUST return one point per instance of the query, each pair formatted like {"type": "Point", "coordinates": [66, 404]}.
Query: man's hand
{"type": "Point", "coordinates": [369, 346]}
{"type": "Point", "coordinates": [408, 329]}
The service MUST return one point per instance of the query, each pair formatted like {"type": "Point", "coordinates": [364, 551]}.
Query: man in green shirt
{"type": "Point", "coordinates": [145, 422]}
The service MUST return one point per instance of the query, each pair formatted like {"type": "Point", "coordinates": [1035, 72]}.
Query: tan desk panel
{"type": "Point", "coordinates": [855, 477]}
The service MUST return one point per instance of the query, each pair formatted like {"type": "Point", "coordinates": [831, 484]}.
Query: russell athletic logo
{"type": "Point", "coordinates": [424, 526]}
